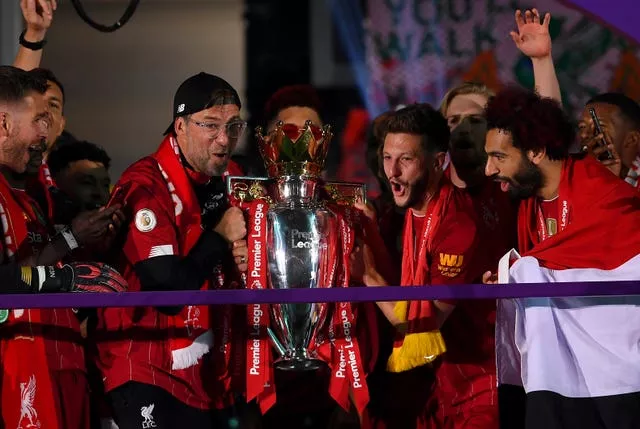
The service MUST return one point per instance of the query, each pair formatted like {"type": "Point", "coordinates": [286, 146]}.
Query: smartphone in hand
{"type": "Point", "coordinates": [118, 194]}
{"type": "Point", "coordinates": [607, 155]}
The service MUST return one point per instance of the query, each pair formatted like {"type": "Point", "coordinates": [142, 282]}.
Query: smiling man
{"type": "Point", "coordinates": [577, 358]}
{"type": "Point", "coordinates": [441, 238]}
{"type": "Point", "coordinates": [181, 229]}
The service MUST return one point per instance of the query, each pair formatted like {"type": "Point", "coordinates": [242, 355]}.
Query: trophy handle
{"type": "Point", "coordinates": [276, 343]}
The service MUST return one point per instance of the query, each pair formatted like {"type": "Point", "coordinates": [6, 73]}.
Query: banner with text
{"type": "Point", "coordinates": [418, 49]}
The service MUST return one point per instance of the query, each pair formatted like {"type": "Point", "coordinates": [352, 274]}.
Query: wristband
{"type": "Point", "coordinates": [34, 46]}
{"type": "Point", "coordinates": [69, 238]}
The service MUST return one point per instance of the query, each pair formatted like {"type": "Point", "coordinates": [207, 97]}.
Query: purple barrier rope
{"type": "Point", "coordinates": [353, 294]}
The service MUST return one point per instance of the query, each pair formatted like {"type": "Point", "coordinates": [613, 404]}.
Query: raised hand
{"type": "Point", "coordinates": [38, 15]}
{"type": "Point", "coordinates": [532, 37]}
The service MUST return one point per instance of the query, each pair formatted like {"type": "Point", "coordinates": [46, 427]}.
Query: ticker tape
{"type": "Point", "coordinates": [337, 294]}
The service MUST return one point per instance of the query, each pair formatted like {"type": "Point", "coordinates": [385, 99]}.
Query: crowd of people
{"type": "Point", "coordinates": [486, 180]}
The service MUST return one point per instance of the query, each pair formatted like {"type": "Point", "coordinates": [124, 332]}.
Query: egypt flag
{"type": "Point", "coordinates": [578, 359]}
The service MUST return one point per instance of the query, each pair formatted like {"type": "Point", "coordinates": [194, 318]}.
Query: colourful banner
{"type": "Point", "coordinates": [417, 49]}
{"type": "Point", "coordinates": [616, 13]}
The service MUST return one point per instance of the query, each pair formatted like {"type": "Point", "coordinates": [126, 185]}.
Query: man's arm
{"type": "Point", "coordinates": [38, 15]}
{"type": "Point", "coordinates": [451, 263]}
{"type": "Point", "coordinates": [534, 41]}
{"type": "Point", "coordinates": [86, 229]}
{"type": "Point", "coordinates": [152, 246]}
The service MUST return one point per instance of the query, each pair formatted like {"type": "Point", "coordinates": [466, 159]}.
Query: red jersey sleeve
{"type": "Point", "coordinates": [452, 256]}
{"type": "Point", "coordinates": [151, 229]}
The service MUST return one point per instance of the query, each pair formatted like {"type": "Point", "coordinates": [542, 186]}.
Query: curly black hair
{"type": "Point", "coordinates": [535, 123]}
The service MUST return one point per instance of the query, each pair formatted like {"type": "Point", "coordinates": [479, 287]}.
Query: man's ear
{"type": "Point", "coordinates": [536, 156]}
{"type": "Point", "coordinates": [180, 126]}
{"type": "Point", "coordinates": [632, 140]}
{"type": "Point", "coordinates": [5, 125]}
{"type": "Point", "coordinates": [439, 160]}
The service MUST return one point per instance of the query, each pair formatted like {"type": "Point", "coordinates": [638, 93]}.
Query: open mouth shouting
{"type": "Point", "coordinates": [398, 189]}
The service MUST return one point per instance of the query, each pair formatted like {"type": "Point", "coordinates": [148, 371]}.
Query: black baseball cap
{"type": "Point", "coordinates": [200, 92]}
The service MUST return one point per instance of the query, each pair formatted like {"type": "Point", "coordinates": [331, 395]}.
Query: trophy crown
{"type": "Point", "coordinates": [289, 150]}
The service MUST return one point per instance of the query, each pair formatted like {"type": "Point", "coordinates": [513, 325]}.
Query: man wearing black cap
{"type": "Point", "coordinates": [155, 362]}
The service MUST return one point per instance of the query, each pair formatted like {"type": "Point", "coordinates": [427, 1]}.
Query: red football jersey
{"type": "Point", "coordinates": [466, 374]}
{"type": "Point", "coordinates": [133, 343]}
{"type": "Point", "coordinates": [60, 327]}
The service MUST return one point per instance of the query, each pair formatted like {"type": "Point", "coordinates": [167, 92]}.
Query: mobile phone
{"type": "Point", "coordinates": [118, 193]}
{"type": "Point", "coordinates": [607, 155]}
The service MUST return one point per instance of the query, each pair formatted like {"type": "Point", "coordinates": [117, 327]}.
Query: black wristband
{"type": "Point", "coordinates": [34, 46]}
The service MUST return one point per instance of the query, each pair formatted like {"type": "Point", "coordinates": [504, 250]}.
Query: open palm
{"type": "Point", "coordinates": [533, 37]}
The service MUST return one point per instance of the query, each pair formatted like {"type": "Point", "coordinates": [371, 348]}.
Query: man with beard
{"type": "Point", "coordinates": [619, 118]}
{"type": "Point", "coordinates": [54, 372]}
{"type": "Point", "coordinates": [440, 246]}
{"type": "Point", "coordinates": [576, 357]}
{"type": "Point", "coordinates": [38, 16]}
{"type": "Point", "coordinates": [157, 362]}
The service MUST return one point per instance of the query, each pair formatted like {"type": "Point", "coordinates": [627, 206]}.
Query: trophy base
{"type": "Point", "coordinates": [299, 364]}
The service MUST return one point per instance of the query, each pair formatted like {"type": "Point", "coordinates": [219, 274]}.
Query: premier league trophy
{"type": "Point", "coordinates": [301, 234]}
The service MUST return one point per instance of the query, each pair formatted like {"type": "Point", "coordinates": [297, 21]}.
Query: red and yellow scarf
{"type": "Point", "coordinates": [422, 343]}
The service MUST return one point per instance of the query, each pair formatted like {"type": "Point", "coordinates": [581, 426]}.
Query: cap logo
{"type": "Point", "coordinates": [180, 108]}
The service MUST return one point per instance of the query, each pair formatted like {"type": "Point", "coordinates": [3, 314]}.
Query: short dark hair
{"type": "Point", "coordinates": [534, 122]}
{"type": "Point", "coordinates": [64, 154]}
{"type": "Point", "coordinates": [15, 84]}
{"type": "Point", "coordinates": [292, 96]}
{"type": "Point", "coordinates": [421, 120]}
{"type": "Point", "coordinates": [629, 109]}
{"type": "Point", "coordinates": [50, 77]}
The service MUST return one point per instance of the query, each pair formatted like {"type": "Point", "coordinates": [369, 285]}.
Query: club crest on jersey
{"type": "Point", "coordinates": [146, 413]}
{"type": "Point", "coordinates": [145, 220]}
{"type": "Point", "coordinates": [28, 413]}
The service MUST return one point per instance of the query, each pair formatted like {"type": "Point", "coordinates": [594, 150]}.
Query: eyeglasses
{"type": "Point", "coordinates": [233, 129]}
